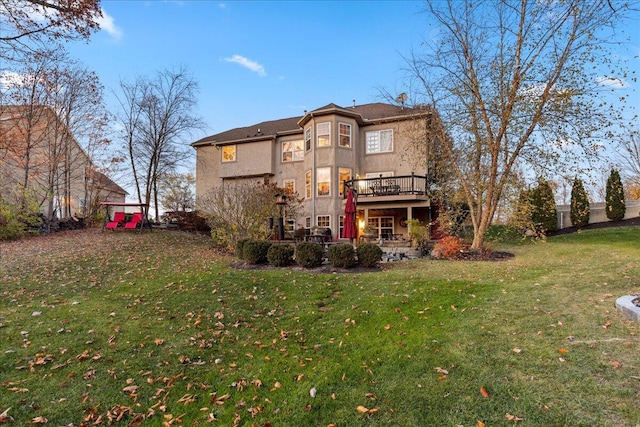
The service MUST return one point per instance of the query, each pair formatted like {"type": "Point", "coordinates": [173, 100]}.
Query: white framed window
{"type": "Point", "coordinates": [228, 153]}
{"type": "Point", "coordinates": [289, 185]}
{"type": "Point", "coordinates": [344, 135]}
{"type": "Point", "coordinates": [323, 134]}
{"type": "Point", "coordinates": [340, 225]}
{"type": "Point", "coordinates": [323, 181]}
{"type": "Point", "coordinates": [323, 221]}
{"type": "Point", "coordinates": [292, 151]}
{"type": "Point", "coordinates": [307, 139]}
{"type": "Point", "coordinates": [307, 185]}
{"type": "Point", "coordinates": [379, 141]}
{"type": "Point", "coordinates": [384, 225]}
{"type": "Point", "coordinates": [344, 174]}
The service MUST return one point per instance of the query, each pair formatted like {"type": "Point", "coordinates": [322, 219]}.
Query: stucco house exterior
{"type": "Point", "coordinates": [40, 157]}
{"type": "Point", "coordinates": [370, 148]}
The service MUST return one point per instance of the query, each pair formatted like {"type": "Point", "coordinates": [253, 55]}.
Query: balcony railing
{"type": "Point", "coordinates": [389, 185]}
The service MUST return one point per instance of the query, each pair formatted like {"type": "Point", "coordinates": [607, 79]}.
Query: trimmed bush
{"type": "Point", "coordinates": [369, 255]}
{"type": "Point", "coordinates": [579, 210]}
{"type": "Point", "coordinates": [615, 204]}
{"type": "Point", "coordinates": [341, 255]}
{"type": "Point", "coordinates": [280, 255]}
{"type": "Point", "coordinates": [309, 254]}
{"type": "Point", "coordinates": [544, 215]}
{"type": "Point", "coordinates": [240, 247]}
{"type": "Point", "coordinates": [447, 248]}
{"type": "Point", "coordinates": [255, 251]}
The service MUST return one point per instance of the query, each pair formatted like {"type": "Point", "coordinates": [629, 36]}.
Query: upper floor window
{"type": "Point", "coordinates": [323, 221]}
{"type": "Point", "coordinates": [323, 132]}
{"type": "Point", "coordinates": [344, 174]}
{"type": "Point", "coordinates": [307, 185]}
{"type": "Point", "coordinates": [344, 138]}
{"type": "Point", "coordinates": [292, 151]}
{"type": "Point", "coordinates": [379, 141]}
{"type": "Point", "coordinates": [289, 186]}
{"type": "Point", "coordinates": [307, 139]}
{"type": "Point", "coordinates": [323, 181]}
{"type": "Point", "coordinates": [229, 153]}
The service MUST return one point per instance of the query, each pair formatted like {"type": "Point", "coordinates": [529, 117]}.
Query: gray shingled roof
{"type": "Point", "coordinates": [273, 128]}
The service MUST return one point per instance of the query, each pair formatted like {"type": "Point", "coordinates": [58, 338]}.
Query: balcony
{"type": "Point", "coordinates": [406, 187]}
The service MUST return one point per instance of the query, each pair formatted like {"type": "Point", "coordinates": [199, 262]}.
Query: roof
{"type": "Point", "coordinates": [364, 114]}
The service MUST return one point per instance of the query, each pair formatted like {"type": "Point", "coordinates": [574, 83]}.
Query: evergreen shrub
{"type": "Point", "coordinates": [579, 210]}
{"type": "Point", "coordinates": [255, 251]}
{"type": "Point", "coordinates": [240, 247]}
{"type": "Point", "coordinates": [369, 255]}
{"type": "Point", "coordinates": [308, 254]}
{"type": "Point", "coordinates": [280, 255]}
{"type": "Point", "coordinates": [615, 205]}
{"type": "Point", "coordinates": [341, 255]}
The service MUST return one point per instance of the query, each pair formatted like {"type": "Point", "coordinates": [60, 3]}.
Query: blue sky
{"type": "Point", "coordinates": [259, 60]}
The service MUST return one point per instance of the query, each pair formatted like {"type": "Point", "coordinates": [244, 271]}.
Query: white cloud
{"type": "Point", "coordinates": [612, 82]}
{"type": "Point", "coordinates": [107, 23]}
{"type": "Point", "coordinates": [11, 79]}
{"type": "Point", "coordinates": [247, 63]}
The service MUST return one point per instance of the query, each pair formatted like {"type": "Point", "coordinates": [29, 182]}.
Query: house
{"type": "Point", "coordinates": [376, 149]}
{"type": "Point", "coordinates": [41, 162]}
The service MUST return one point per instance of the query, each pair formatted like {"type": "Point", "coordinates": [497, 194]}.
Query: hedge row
{"type": "Point", "coordinates": [307, 254]}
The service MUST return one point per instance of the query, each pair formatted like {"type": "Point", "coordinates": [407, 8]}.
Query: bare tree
{"type": "Point", "coordinates": [28, 25]}
{"type": "Point", "coordinates": [629, 159]}
{"type": "Point", "coordinates": [514, 82]}
{"type": "Point", "coordinates": [157, 119]}
{"type": "Point", "coordinates": [177, 191]}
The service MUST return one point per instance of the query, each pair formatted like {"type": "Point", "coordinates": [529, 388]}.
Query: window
{"type": "Point", "coordinates": [323, 132]}
{"type": "Point", "coordinates": [383, 224]}
{"type": "Point", "coordinates": [307, 185]}
{"type": "Point", "coordinates": [345, 175]}
{"type": "Point", "coordinates": [379, 141]}
{"type": "Point", "coordinates": [307, 222]}
{"type": "Point", "coordinates": [292, 151]}
{"type": "Point", "coordinates": [324, 221]}
{"type": "Point", "coordinates": [289, 186]}
{"type": "Point", "coordinates": [307, 139]}
{"type": "Point", "coordinates": [229, 153]}
{"type": "Point", "coordinates": [340, 225]}
{"type": "Point", "coordinates": [323, 181]}
{"type": "Point", "coordinates": [344, 136]}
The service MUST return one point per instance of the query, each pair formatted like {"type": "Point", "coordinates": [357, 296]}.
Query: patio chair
{"type": "Point", "coordinates": [135, 220]}
{"type": "Point", "coordinates": [118, 219]}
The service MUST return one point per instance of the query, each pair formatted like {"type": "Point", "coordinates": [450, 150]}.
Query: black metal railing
{"type": "Point", "coordinates": [389, 185]}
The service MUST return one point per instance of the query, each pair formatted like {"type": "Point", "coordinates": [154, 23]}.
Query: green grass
{"type": "Point", "coordinates": [100, 327]}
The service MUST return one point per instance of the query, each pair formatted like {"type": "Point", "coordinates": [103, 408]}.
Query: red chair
{"type": "Point", "coordinates": [118, 219]}
{"type": "Point", "coordinates": [135, 220]}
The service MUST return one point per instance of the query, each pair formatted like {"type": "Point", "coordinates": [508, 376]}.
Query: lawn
{"type": "Point", "coordinates": [157, 329]}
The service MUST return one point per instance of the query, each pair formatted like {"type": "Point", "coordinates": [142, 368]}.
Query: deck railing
{"type": "Point", "coordinates": [389, 185]}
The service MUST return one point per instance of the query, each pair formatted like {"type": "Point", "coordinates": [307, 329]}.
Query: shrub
{"type": "Point", "coordinates": [447, 248]}
{"type": "Point", "coordinates": [309, 254]}
{"type": "Point", "coordinates": [255, 251]}
{"type": "Point", "coordinates": [369, 255]}
{"type": "Point", "coordinates": [240, 247]}
{"type": "Point", "coordinates": [280, 255]}
{"type": "Point", "coordinates": [341, 255]}
{"type": "Point", "coordinates": [544, 215]}
{"type": "Point", "coordinates": [579, 210]}
{"type": "Point", "coordinates": [10, 227]}
{"type": "Point", "coordinates": [615, 205]}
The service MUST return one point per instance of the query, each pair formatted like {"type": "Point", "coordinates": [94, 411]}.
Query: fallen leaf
{"type": "Point", "coordinates": [607, 324]}
{"type": "Point", "coordinates": [512, 417]}
{"type": "Point", "coordinates": [484, 393]}
{"type": "Point", "coordinates": [480, 424]}
{"type": "Point", "coordinates": [39, 420]}
{"type": "Point", "coordinates": [616, 364]}
{"type": "Point", "coordinates": [517, 350]}
{"type": "Point", "coordinates": [563, 351]}
{"type": "Point", "coordinates": [362, 409]}
{"type": "Point", "coordinates": [442, 371]}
